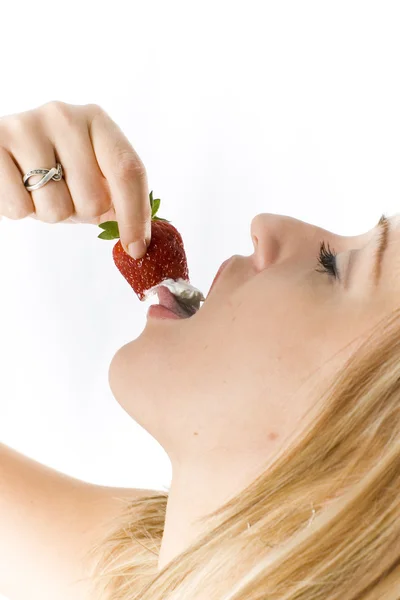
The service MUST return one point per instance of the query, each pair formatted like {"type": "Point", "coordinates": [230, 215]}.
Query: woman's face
{"type": "Point", "coordinates": [237, 376]}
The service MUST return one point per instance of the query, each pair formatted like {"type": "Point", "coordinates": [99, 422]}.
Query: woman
{"type": "Point", "coordinates": [277, 403]}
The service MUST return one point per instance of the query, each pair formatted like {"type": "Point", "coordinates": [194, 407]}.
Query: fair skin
{"type": "Point", "coordinates": [222, 390]}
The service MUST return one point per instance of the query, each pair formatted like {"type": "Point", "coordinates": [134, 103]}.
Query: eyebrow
{"type": "Point", "coordinates": [384, 228]}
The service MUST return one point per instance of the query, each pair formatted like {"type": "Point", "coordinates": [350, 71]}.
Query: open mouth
{"type": "Point", "coordinates": [180, 307]}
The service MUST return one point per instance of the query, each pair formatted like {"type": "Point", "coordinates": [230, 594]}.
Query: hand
{"type": "Point", "coordinates": [103, 177]}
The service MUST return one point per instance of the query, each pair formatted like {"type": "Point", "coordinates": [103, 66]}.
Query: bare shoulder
{"type": "Point", "coordinates": [48, 523]}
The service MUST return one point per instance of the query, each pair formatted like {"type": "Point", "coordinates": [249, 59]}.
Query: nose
{"type": "Point", "coordinates": [272, 235]}
{"type": "Point", "coordinates": [267, 231]}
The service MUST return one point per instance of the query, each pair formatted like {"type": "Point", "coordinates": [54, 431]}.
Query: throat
{"type": "Point", "coordinates": [195, 492]}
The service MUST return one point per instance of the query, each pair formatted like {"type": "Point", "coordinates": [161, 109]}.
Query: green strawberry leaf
{"type": "Point", "coordinates": [155, 207]}
{"type": "Point", "coordinates": [104, 236]}
{"type": "Point", "coordinates": [111, 231]}
{"type": "Point", "coordinates": [105, 224]}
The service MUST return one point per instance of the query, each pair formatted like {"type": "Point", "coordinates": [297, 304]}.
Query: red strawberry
{"type": "Point", "coordinates": [165, 257]}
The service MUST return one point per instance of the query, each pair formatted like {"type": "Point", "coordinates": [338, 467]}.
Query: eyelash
{"type": "Point", "coordinates": [327, 259]}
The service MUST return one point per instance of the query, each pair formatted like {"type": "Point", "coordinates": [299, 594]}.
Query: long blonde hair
{"type": "Point", "coordinates": [343, 471]}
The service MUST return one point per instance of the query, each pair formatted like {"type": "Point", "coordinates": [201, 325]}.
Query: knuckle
{"type": "Point", "coordinates": [66, 216]}
{"type": "Point", "coordinates": [53, 215]}
{"type": "Point", "coordinates": [57, 110]}
{"type": "Point", "coordinates": [94, 109]}
{"type": "Point", "coordinates": [24, 210]}
{"type": "Point", "coordinates": [98, 201]}
{"type": "Point", "coordinates": [16, 125]}
{"type": "Point", "coordinates": [15, 209]}
{"type": "Point", "coordinates": [98, 204]}
{"type": "Point", "coordinates": [15, 203]}
{"type": "Point", "coordinates": [53, 105]}
{"type": "Point", "coordinates": [129, 166]}
{"type": "Point", "coordinates": [2, 133]}
{"type": "Point", "coordinates": [141, 223]}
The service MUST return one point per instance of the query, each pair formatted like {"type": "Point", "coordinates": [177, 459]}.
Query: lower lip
{"type": "Point", "coordinates": [161, 312]}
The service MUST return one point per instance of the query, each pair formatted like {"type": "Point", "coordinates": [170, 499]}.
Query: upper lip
{"type": "Point", "coordinates": [179, 306]}
{"type": "Point", "coordinates": [222, 267]}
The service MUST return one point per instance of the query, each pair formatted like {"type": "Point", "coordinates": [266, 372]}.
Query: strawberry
{"type": "Point", "coordinates": [165, 257]}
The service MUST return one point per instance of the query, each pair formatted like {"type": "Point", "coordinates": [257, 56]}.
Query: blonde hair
{"type": "Point", "coordinates": [343, 470]}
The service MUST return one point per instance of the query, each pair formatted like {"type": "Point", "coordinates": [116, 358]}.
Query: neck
{"type": "Point", "coordinates": [198, 488]}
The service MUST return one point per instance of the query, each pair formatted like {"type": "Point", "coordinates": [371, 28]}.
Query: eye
{"type": "Point", "coordinates": [327, 259]}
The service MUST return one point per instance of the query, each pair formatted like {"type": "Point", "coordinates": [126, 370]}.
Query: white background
{"type": "Point", "coordinates": [235, 108]}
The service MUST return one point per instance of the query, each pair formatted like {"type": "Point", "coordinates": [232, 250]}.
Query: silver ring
{"type": "Point", "coordinates": [55, 173]}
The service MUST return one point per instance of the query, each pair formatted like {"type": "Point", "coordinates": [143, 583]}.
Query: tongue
{"type": "Point", "coordinates": [170, 301]}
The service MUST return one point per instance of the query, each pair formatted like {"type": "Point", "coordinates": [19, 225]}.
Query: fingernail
{"type": "Point", "coordinates": [137, 249]}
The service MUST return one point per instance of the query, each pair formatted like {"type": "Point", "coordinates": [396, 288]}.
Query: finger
{"type": "Point", "coordinates": [126, 177]}
{"type": "Point", "coordinates": [67, 129]}
{"type": "Point", "coordinates": [75, 220]}
{"type": "Point", "coordinates": [15, 200]}
{"type": "Point", "coordinates": [31, 149]}
{"type": "Point", "coordinates": [108, 216]}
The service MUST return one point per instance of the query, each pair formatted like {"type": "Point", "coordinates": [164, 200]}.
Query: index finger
{"type": "Point", "coordinates": [127, 179]}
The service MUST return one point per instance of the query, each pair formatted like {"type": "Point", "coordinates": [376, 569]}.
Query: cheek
{"type": "Point", "coordinates": [239, 348]}
{"type": "Point", "coordinates": [259, 340]}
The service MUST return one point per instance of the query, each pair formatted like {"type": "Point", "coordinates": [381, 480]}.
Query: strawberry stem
{"type": "Point", "coordinates": [111, 230]}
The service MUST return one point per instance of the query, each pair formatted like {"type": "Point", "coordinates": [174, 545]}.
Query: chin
{"type": "Point", "coordinates": [141, 370]}
{"type": "Point", "coordinates": [144, 373]}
